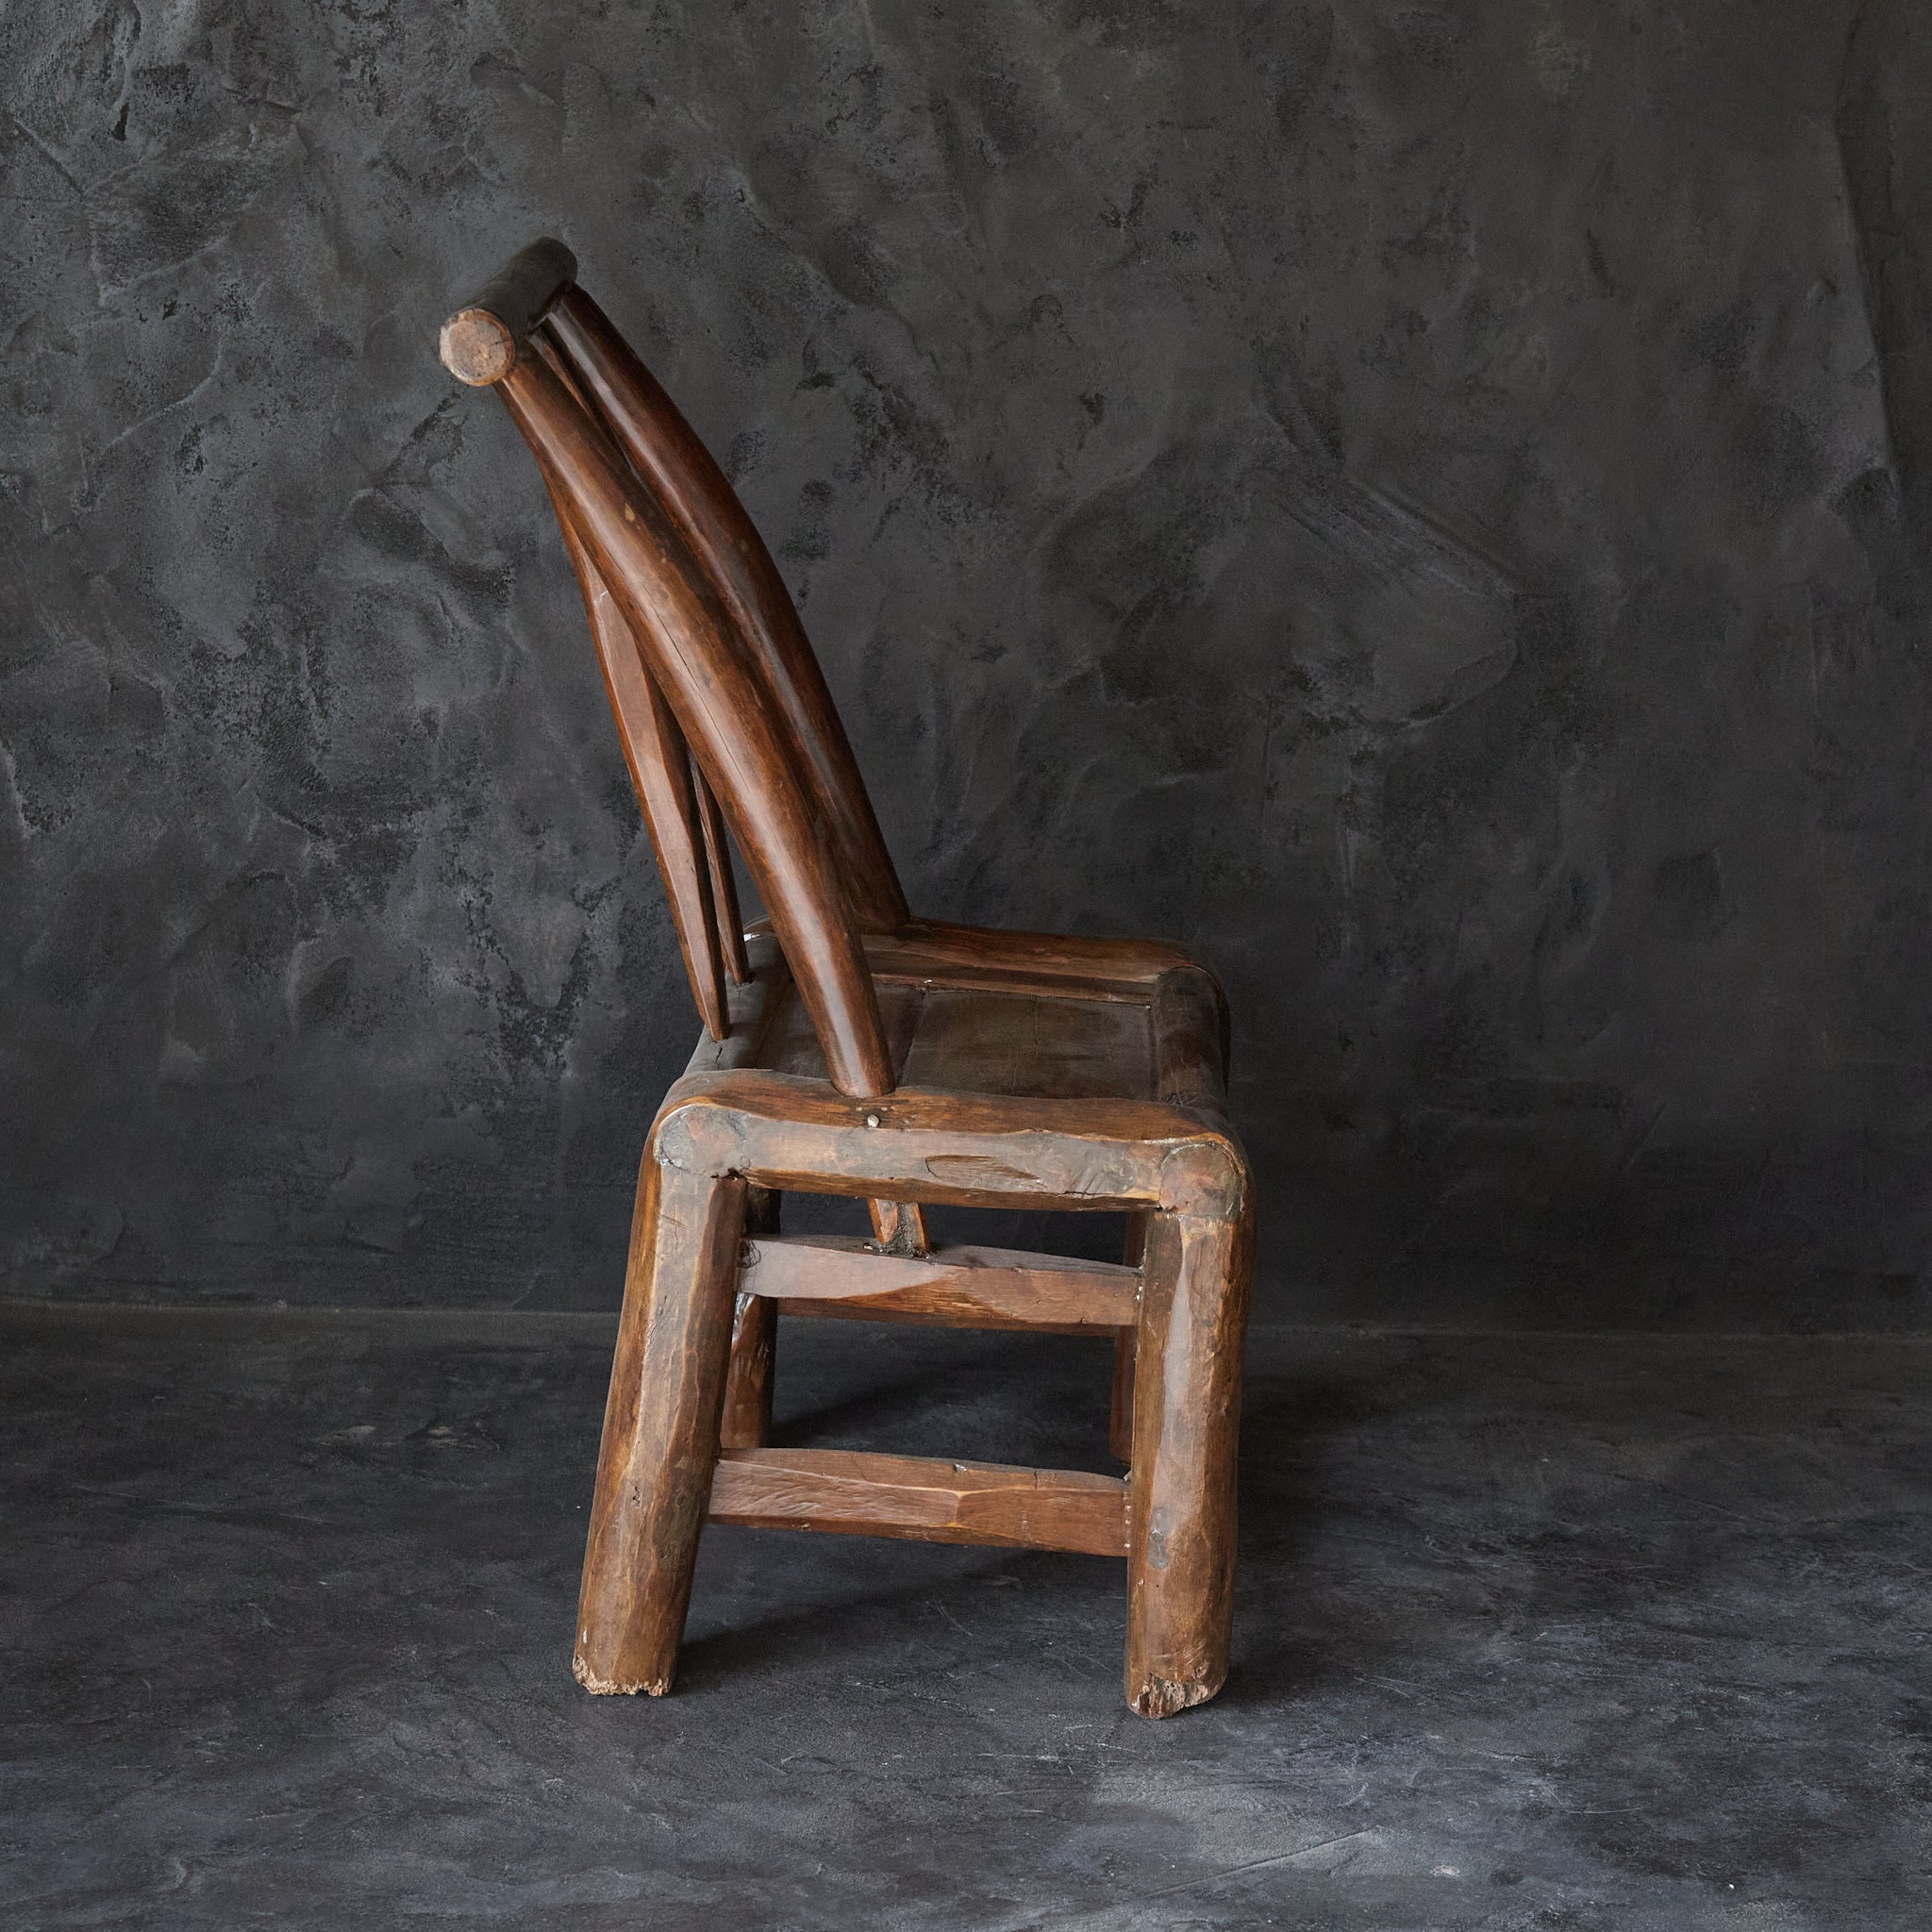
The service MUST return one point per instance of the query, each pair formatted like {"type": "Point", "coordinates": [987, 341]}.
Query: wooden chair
{"type": "Point", "coordinates": [852, 1049]}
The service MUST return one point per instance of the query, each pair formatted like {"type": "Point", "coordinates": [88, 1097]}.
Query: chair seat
{"type": "Point", "coordinates": [978, 1040]}
{"type": "Point", "coordinates": [969, 1011]}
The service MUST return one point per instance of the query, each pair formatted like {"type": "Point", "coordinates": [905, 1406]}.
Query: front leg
{"type": "Point", "coordinates": [747, 1421]}
{"type": "Point", "coordinates": [1181, 1487]}
{"type": "Point", "coordinates": [1120, 1433]}
{"type": "Point", "coordinates": [660, 1427]}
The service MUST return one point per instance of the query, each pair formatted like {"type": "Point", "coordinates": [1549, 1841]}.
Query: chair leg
{"type": "Point", "coordinates": [1120, 1433]}
{"type": "Point", "coordinates": [660, 1429]}
{"type": "Point", "coordinates": [746, 1423]}
{"type": "Point", "coordinates": [747, 1419]}
{"type": "Point", "coordinates": [1186, 1424]}
{"type": "Point", "coordinates": [1120, 1428]}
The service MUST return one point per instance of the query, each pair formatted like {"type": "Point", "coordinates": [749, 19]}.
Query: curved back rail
{"type": "Point", "coordinates": [686, 831]}
{"type": "Point", "coordinates": [700, 658]}
{"type": "Point", "coordinates": [660, 772]}
{"type": "Point", "coordinates": [668, 454]}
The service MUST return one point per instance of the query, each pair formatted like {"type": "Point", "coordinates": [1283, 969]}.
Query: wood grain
{"type": "Point", "coordinates": [968, 1149]}
{"type": "Point", "coordinates": [661, 774]}
{"type": "Point", "coordinates": [1190, 1018]}
{"type": "Point", "coordinates": [660, 1429]}
{"type": "Point", "coordinates": [481, 341]}
{"type": "Point", "coordinates": [935, 949]}
{"type": "Point", "coordinates": [698, 660]}
{"type": "Point", "coordinates": [752, 1369]}
{"type": "Point", "coordinates": [925, 1499]}
{"type": "Point", "coordinates": [1120, 1431]}
{"type": "Point", "coordinates": [723, 883]}
{"type": "Point", "coordinates": [955, 1287]}
{"type": "Point", "coordinates": [1186, 1429]}
{"type": "Point", "coordinates": [751, 1010]}
{"type": "Point", "coordinates": [706, 510]}
{"type": "Point", "coordinates": [852, 1049]}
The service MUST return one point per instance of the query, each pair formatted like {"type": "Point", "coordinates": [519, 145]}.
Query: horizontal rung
{"type": "Point", "coordinates": [959, 1287]}
{"type": "Point", "coordinates": [925, 1498]}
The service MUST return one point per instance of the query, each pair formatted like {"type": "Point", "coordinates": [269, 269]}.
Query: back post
{"type": "Point", "coordinates": [694, 651]}
{"type": "Point", "coordinates": [594, 416]}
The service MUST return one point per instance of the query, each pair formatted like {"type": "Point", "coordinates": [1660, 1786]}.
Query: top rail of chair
{"type": "Point", "coordinates": [481, 341]}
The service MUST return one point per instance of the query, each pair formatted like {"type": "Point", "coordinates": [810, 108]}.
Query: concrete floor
{"type": "Point", "coordinates": [1537, 1632]}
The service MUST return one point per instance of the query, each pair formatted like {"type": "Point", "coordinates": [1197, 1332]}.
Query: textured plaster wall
{"type": "Point", "coordinates": [1426, 502]}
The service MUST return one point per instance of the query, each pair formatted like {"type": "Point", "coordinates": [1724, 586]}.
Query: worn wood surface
{"type": "Point", "coordinates": [852, 1049]}
{"type": "Point", "coordinates": [898, 1227]}
{"type": "Point", "coordinates": [751, 1371]}
{"type": "Point", "coordinates": [723, 883]}
{"type": "Point", "coordinates": [927, 1499]}
{"type": "Point", "coordinates": [700, 661]}
{"type": "Point", "coordinates": [975, 1040]}
{"type": "Point", "coordinates": [751, 1010]}
{"type": "Point", "coordinates": [660, 1429]}
{"type": "Point", "coordinates": [948, 953]}
{"type": "Point", "coordinates": [968, 1149]}
{"type": "Point", "coordinates": [955, 1286]}
{"type": "Point", "coordinates": [1189, 1020]}
{"type": "Point", "coordinates": [1119, 1419]}
{"type": "Point", "coordinates": [1120, 1430]}
{"type": "Point", "coordinates": [660, 772]}
{"type": "Point", "coordinates": [1029, 1034]}
{"type": "Point", "coordinates": [1186, 1429]}
{"type": "Point", "coordinates": [481, 341]}
{"type": "Point", "coordinates": [669, 457]}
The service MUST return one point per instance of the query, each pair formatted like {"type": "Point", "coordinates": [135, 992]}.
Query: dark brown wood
{"type": "Point", "coordinates": [1186, 1429]}
{"type": "Point", "coordinates": [1028, 1045]}
{"type": "Point", "coordinates": [1190, 1039]}
{"type": "Point", "coordinates": [697, 662]}
{"type": "Point", "coordinates": [693, 489]}
{"type": "Point", "coordinates": [754, 1008]}
{"type": "Point", "coordinates": [1037, 961]}
{"type": "Point", "coordinates": [660, 1429]}
{"type": "Point", "coordinates": [967, 1150]}
{"type": "Point", "coordinates": [898, 1227]}
{"type": "Point", "coordinates": [1120, 1432]}
{"type": "Point", "coordinates": [481, 341]}
{"type": "Point", "coordinates": [922, 1498]}
{"type": "Point", "coordinates": [958, 1286]}
{"type": "Point", "coordinates": [749, 1376]}
{"type": "Point", "coordinates": [724, 884]}
{"type": "Point", "coordinates": [661, 774]}
{"type": "Point", "coordinates": [853, 1050]}
{"type": "Point", "coordinates": [1120, 1420]}
{"type": "Point", "coordinates": [680, 813]}
{"type": "Point", "coordinates": [750, 1372]}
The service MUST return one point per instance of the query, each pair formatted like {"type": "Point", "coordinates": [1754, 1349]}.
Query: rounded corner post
{"type": "Point", "coordinates": [697, 1136]}
{"type": "Point", "coordinates": [1194, 1285]}
{"type": "Point", "coordinates": [662, 1416]}
{"type": "Point", "coordinates": [1205, 1175]}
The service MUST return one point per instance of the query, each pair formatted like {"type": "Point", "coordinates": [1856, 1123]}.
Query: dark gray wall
{"type": "Point", "coordinates": [1427, 502]}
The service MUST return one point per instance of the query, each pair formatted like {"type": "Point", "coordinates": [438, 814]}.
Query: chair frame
{"type": "Point", "coordinates": [726, 719]}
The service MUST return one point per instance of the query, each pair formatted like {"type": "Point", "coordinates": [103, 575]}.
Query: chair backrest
{"type": "Point", "coordinates": [701, 647]}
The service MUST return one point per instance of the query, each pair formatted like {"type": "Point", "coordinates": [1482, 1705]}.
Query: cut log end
{"type": "Point", "coordinates": [1160, 1697]}
{"type": "Point", "coordinates": [611, 1686]}
{"type": "Point", "coordinates": [477, 347]}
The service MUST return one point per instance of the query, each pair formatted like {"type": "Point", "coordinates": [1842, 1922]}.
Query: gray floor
{"type": "Point", "coordinates": [1566, 1632]}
